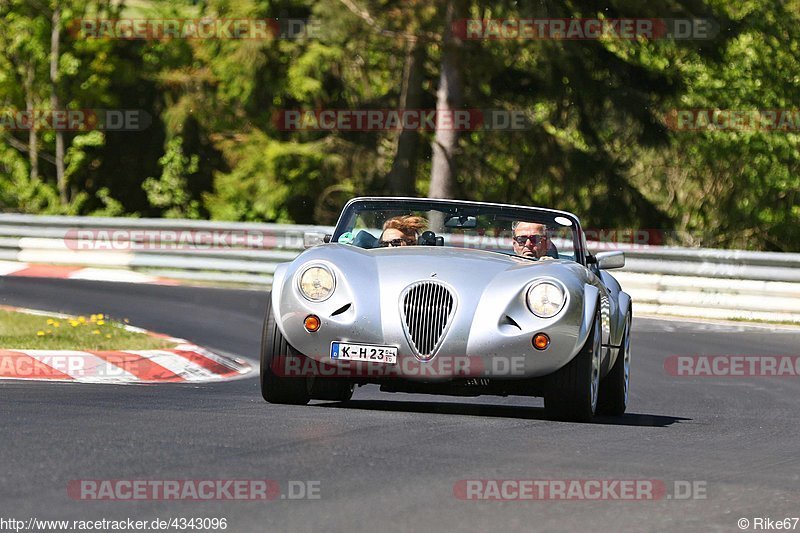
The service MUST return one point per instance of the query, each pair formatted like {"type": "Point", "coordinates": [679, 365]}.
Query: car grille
{"type": "Point", "coordinates": [427, 309]}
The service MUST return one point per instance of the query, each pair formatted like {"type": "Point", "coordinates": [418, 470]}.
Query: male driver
{"type": "Point", "coordinates": [530, 240]}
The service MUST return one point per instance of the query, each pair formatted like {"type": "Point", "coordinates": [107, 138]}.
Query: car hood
{"type": "Point", "coordinates": [385, 272]}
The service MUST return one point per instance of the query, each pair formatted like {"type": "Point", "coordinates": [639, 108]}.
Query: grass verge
{"type": "Point", "coordinates": [23, 331]}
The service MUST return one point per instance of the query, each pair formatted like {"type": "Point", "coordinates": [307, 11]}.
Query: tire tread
{"type": "Point", "coordinates": [564, 399]}
{"type": "Point", "coordinates": [274, 388]}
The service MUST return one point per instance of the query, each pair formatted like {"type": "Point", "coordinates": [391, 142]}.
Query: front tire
{"type": "Point", "coordinates": [572, 391]}
{"type": "Point", "coordinates": [332, 389]}
{"type": "Point", "coordinates": [613, 398]}
{"type": "Point", "coordinates": [275, 351]}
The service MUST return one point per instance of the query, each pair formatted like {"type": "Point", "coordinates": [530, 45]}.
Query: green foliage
{"type": "Point", "coordinates": [111, 207]}
{"type": "Point", "coordinates": [597, 142]}
{"type": "Point", "coordinates": [169, 192]}
{"type": "Point", "coordinates": [17, 190]}
{"type": "Point", "coordinates": [272, 180]}
{"type": "Point", "coordinates": [77, 158]}
{"type": "Point", "coordinates": [732, 188]}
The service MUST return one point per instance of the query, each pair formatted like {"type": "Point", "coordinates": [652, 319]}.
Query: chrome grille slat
{"type": "Point", "coordinates": [427, 308]}
{"type": "Point", "coordinates": [430, 314]}
{"type": "Point", "coordinates": [436, 323]}
{"type": "Point", "coordinates": [427, 314]}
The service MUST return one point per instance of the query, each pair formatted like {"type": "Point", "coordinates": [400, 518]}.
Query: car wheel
{"type": "Point", "coordinates": [276, 352]}
{"type": "Point", "coordinates": [572, 391]}
{"type": "Point", "coordinates": [613, 398]}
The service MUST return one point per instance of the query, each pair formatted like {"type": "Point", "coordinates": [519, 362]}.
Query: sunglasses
{"type": "Point", "coordinates": [535, 239]}
{"type": "Point", "coordinates": [398, 242]}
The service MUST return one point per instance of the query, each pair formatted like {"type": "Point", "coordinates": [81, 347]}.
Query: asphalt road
{"type": "Point", "coordinates": [389, 462]}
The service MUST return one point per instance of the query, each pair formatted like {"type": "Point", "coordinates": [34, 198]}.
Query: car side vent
{"type": "Point", "coordinates": [427, 307]}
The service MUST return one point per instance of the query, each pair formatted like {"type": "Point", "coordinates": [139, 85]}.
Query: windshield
{"type": "Point", "coordinates": [526, 232]}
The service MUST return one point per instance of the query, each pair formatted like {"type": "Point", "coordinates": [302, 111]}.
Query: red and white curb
{"type": "Point", "coordinates": [32, 270]}
{"type": "Point", "coordinates": [185, 363]}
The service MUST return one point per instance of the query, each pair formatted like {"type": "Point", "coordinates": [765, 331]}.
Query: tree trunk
{"type": "Point", "coordinates": [33, 134]}
{"type": "Point", "coordinates": [55, 37]}
{"type": "Point", "coordinates": [403, 175]}
{"type": "Point", "coordinates": [448, 99]}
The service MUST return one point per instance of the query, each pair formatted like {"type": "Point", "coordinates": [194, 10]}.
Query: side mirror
{"type": "Point", "coordinates": [314, 238]}
{"type": "Point", "coordinates": [609, 260]}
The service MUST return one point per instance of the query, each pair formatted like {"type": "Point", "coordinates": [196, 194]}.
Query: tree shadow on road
{"type": "Point", "coordinates": [497, 411]}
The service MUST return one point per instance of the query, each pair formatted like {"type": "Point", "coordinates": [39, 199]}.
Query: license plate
{"type": "Point", "coordinates": [345, 351]}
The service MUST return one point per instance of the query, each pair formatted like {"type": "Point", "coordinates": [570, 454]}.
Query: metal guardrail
{"type": "Point", "coordinates": [670, 280]}
{"type": "Point", "coordinates": [215, 251]}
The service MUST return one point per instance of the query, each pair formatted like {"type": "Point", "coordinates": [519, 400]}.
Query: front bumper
{"type": "Point", "coordinates": [478, 343]}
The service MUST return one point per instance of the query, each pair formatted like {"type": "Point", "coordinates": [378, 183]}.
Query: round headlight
{"type": "Point", "coordinates": [317, 283]}
{"type": "Point", "coordinates": [545, 299]}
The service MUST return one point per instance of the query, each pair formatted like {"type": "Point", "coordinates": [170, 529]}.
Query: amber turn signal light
{"type": "Point", "coordinates": [312, 323]}
{"type": "Point", "coordinates": [541, 341]}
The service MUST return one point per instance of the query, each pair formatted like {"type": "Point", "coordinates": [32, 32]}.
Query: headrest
{"type": "Point", "coordinates": [552, 251]}
{"type": "Point", "coordinates": [365, 239]}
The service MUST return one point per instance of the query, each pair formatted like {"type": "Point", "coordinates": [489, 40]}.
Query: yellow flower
{"type": "Point", "coordinates": [108, 336]}
{"type": "Point", "coordinates": [50, 321]}
{"type": "Point", "coordinates": [82, 319]}
{"type": "Point", "coordinates": [101, 322]}
{"type": "Point", "coordinates": [56, 324]}
{"type": "Point", "coordinates": [40, 333]}
{"type": "Point", "coordinates": [100, 316]}
{"type": "Point", "coordinates": [96, 332]}
{"type": "Point", "coordinates": [74, 323]}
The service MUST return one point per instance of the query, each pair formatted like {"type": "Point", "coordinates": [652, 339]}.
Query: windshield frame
{"type": "Point", "coordinates": [424, 204]}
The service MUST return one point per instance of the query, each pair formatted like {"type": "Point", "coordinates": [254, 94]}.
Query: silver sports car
{"type": "Point", "coordinates": [450, 297]}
